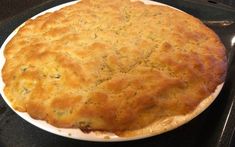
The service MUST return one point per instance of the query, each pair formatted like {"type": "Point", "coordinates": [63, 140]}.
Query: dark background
{"type": "Point", "coordinates": [214, 127]}
{"type": "Point", "coordinates": [12, 7]}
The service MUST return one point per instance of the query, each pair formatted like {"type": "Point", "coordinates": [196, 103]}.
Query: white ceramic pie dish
{"type": "Point", "coordinates": [165, 125]}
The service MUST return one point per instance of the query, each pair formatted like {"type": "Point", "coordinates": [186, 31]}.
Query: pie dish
{"type": "Point", "coordinates": [128, 68]}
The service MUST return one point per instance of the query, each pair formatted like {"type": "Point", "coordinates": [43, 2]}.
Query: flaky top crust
{"type": "Point", "coordinates": [112, 65]}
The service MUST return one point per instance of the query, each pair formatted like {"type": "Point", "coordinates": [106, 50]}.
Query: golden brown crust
{"type": "Point", "coordinates": [112, 65]}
